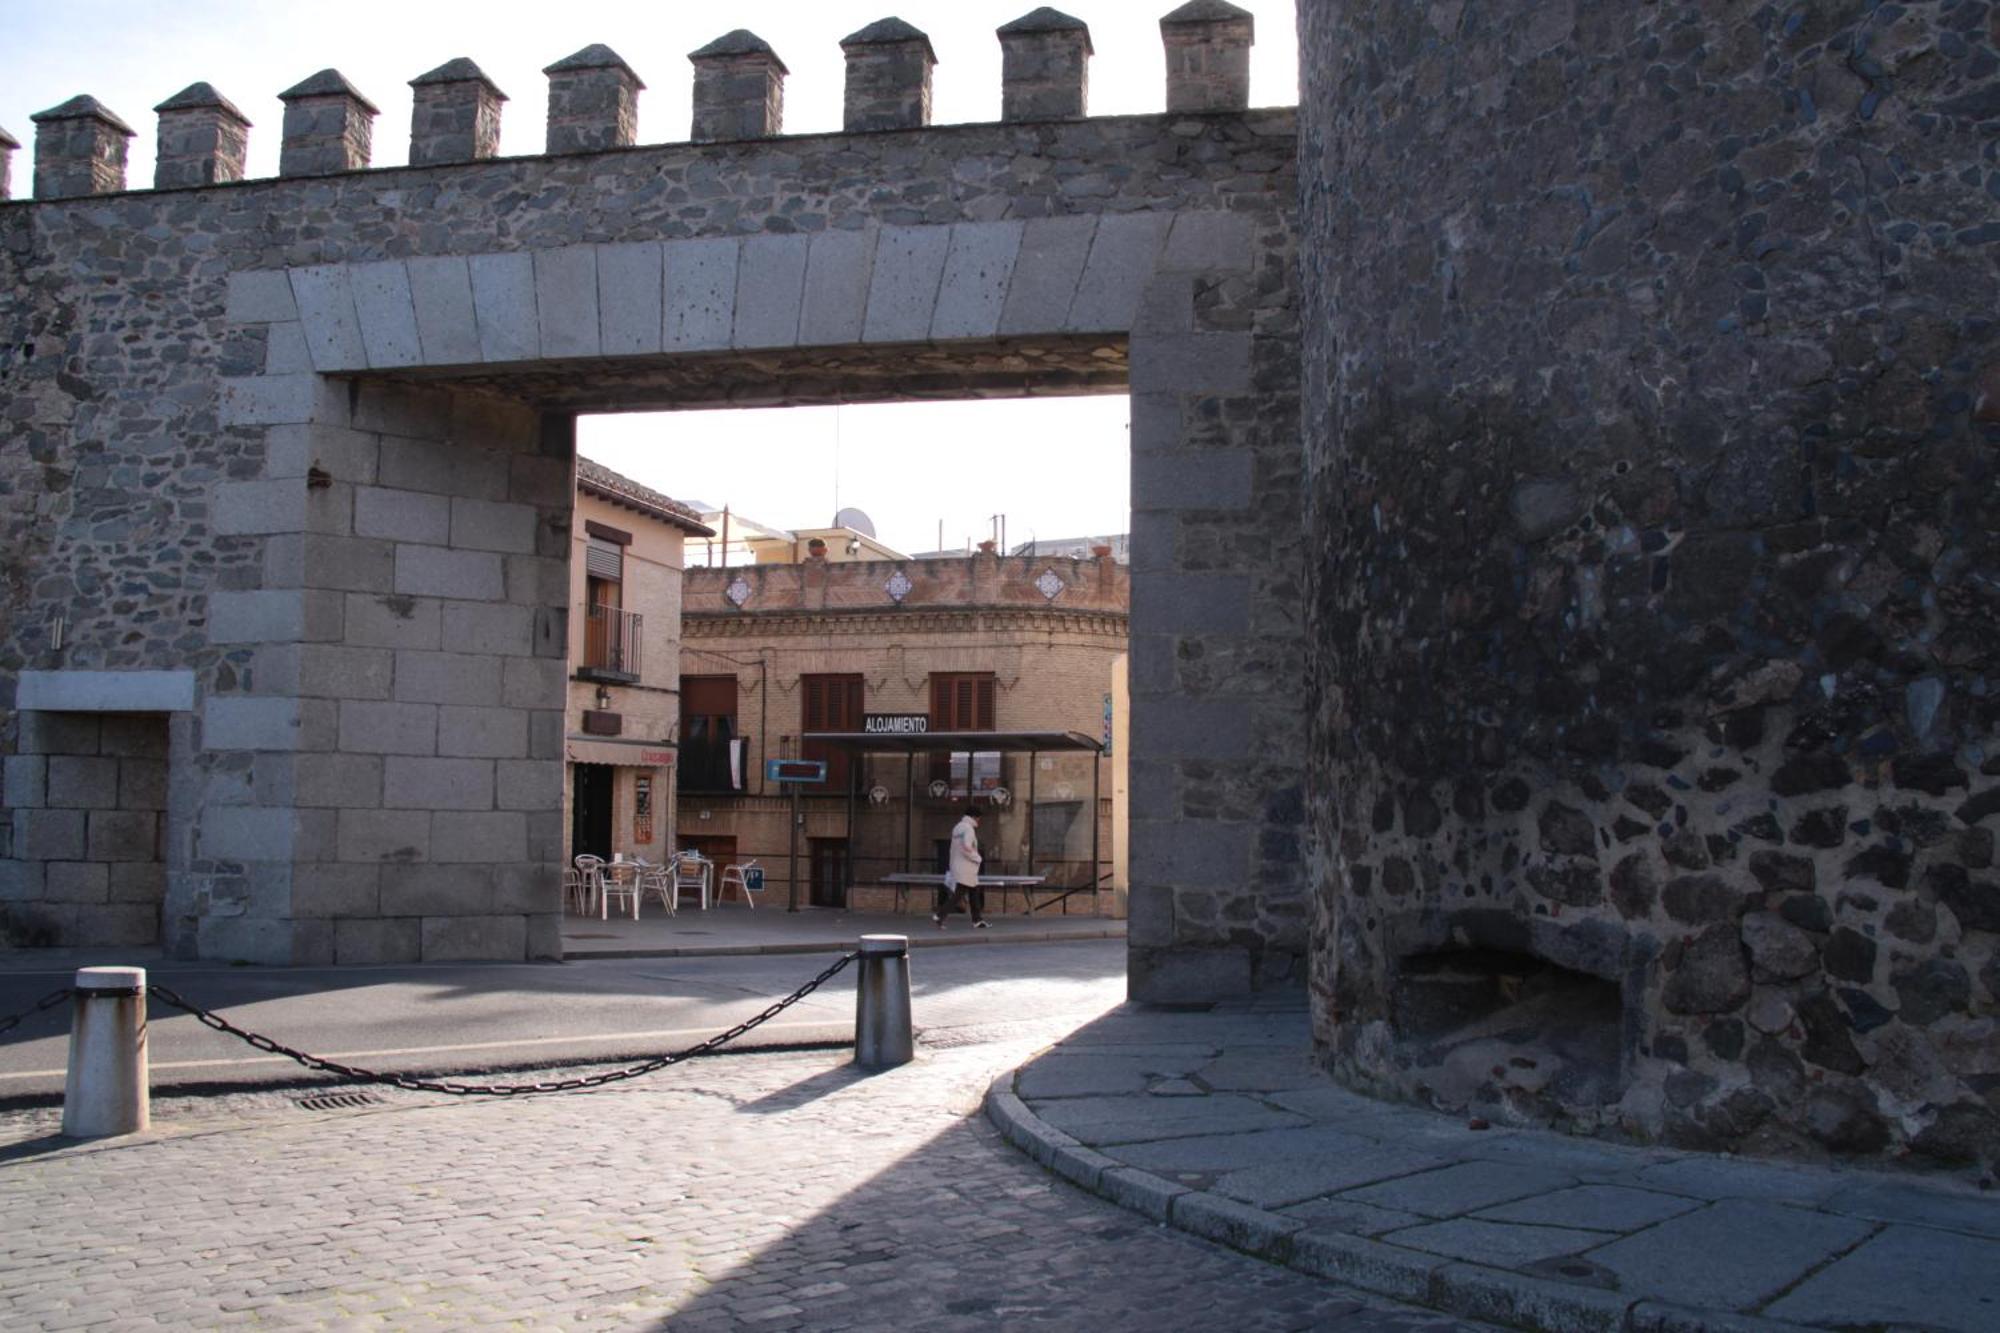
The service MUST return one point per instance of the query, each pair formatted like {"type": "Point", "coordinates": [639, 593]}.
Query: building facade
{"type": "Point", "coordinates": [775, 653]}
{"type": "Point", "coordinates": [619, 742]}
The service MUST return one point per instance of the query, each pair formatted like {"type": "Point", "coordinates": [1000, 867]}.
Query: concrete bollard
{"type": "Point", "coordinates": [882, 1037]}
{"type": "Point", "coordinates": [107, 1091]}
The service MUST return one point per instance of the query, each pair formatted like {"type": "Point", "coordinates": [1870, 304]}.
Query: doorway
{"type": "Point", "coordinates": [828, 885]}
{"type": "Point", "coordinates": [590, 810]}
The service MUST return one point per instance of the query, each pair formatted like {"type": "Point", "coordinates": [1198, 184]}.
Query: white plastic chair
{"type": "Point", "coordinates": [576, 898]}
{"type": "Point", "coordinates": [733, 875]}
{"type": "Point", "coordinates": [590, 870]}
{"type": "Point", "coordinates": [658, 880]}
{"type": "Point", "coordinates": [691, 871]}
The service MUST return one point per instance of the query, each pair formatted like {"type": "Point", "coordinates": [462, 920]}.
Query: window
{"type": "Point", "coordinates": [713, 757]}
{"type": "Point", "coordinates": [962, 701]}
{"type": "Point", "coordinates": [830, 703]}
{"type": "Point", "coordinates": [611, 638]}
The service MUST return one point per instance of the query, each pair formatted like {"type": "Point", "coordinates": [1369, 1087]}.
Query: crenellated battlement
{"type": "Point", "coordinates": [594, 94]}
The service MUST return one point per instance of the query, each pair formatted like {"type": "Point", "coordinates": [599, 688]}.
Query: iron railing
{"type": "Point", "coordinates": [611, 642]}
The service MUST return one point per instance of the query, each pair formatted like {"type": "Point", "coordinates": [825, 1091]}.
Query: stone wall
{"type": "Point", "coordinates": [1653, 413]}
{"type": "Point", "coordinates": [218, 397]}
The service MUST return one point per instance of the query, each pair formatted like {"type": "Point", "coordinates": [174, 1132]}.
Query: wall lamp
{"type": "Point", "coordinates": [603, 699]}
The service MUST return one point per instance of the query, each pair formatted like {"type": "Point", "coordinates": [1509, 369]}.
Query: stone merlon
{"type": "Point", "coordinates": [459, 70]}
{"type": "Point", "coordinates": [202, 97]}
{"type": "Point", "coordinates": [887, 32]}
{"type": "Point", "coordinates": [83, 107]}
{"type": "Point", "coordinates": [739, 42]}
{"type": "Point", "coordinates": [328, 83]}
{"type": "Point", "coordinates": [595, 56]}
{"type": "Point", "coordinates": [1045, 20]}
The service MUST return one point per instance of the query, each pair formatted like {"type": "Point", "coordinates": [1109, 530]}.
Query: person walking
{"type": "Point", "coordinates": [962, 873]}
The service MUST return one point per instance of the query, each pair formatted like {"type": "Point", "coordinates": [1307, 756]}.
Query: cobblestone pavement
{"type": "Point", "coordinates": [775, 1190]}
{"type": "Point", "coordinates": [1218, 1122]}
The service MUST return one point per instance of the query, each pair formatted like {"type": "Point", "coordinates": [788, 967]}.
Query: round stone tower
{"type": "Point", "coordinates": [1652, 358]}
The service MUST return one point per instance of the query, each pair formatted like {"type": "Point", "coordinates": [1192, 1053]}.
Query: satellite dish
{"type": "Point", "coordinates": [855, 519]}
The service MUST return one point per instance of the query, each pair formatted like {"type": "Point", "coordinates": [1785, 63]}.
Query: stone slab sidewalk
{"type": "Point", "coordinates": [1217, 1124]}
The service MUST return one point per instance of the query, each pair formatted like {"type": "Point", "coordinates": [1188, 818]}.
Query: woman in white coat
{"type": "Point", "coordinates": [962, 873]}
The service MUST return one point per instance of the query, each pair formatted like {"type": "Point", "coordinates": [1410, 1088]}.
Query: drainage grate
{"type": "Point", "coordinates": [339, 1101]}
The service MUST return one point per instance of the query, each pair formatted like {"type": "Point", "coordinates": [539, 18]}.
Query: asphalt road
{"type": "Point", "coordinates": [472, 1019]}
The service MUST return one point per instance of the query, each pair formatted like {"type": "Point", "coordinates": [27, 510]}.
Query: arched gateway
{"type": "Point", "coordinates": [285, 455]}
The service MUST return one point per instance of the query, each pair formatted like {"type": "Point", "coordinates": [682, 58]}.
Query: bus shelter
{"type": "Point", "coordinates": [1029, 779]}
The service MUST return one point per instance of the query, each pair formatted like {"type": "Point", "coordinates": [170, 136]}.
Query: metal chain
{"type": "Point", "coordinates": [409, 1084]}
{"type": "Point", "coordinates": [49, 1001]}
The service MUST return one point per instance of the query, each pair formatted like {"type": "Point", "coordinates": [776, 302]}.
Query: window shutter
{"type": "Point", "coordinates": [983, 713]}
{"type": "Point", "coordinates": [604, 560]}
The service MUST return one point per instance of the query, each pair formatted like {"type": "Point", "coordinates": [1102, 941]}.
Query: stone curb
{"type": "Point", "coordinates": [1433, 1281]}
{"type": "Point", "coordinates": [917, 941]}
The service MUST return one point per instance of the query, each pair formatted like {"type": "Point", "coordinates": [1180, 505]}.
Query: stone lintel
{"type": "Point", "coordinates": [104, 692]}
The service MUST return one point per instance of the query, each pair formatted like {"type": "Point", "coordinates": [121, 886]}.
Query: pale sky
{"type": "Point", "coordinates": [1057, 468]}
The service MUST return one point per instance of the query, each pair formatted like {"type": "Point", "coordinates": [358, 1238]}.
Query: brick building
{"type": "Point", "coordinates": [625, 568]}
{"type": "Point", "coordinates": [773, 654]}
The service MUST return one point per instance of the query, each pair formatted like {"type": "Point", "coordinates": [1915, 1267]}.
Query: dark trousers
{"type": "Point", "coordinates": [974, 898]}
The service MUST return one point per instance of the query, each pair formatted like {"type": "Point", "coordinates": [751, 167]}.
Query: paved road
{"type": "Point", "coordinates": [475, 1018]}
{"type": "Point", "coordinates": [768, 1191]}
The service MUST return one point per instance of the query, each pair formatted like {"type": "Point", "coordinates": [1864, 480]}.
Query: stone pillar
{"type": "Point", "coordinates": [329, 127]}
{"type": "Point", "coordinates": [454, 115]}
{"type": "Point", "coordinates": [203, 139]}
{"type": "Point", "coordinates": [888, 77]}
{"type": "Point", "coordinates": [8, 143]}
{"type": "Point", "coordinates": [1208, 56]}
{"type": "Point", "coordinates": [593, 102]}
{"type": "Point", "coordinates": [739, 89]}
{"type": "Point", "coordinates": [79, 150]}
{"type": "Point", "coordinates": [1650, 562]}
{"type": "Point", "coordinates": [1044, 66]}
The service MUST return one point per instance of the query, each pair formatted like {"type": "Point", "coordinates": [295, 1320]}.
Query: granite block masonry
{"type": "Point", "coordinates": [318, 473]}
{"type": "Point", "coordinates": [1654, 527]}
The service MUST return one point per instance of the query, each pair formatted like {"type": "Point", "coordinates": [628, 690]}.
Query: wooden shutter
{"type": "Point", "coordinates": [830, 703]}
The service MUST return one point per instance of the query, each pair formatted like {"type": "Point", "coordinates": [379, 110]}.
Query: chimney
{"type": "Point", "coordinates": [888, 77]}
{"type": "Point", "coordinates": [454, 115]}
{"type": "Point", "coordinates": [8, 143]}
{"type": "Point", "coordinates": [1044, 66]}
{"type": "Point", "coordinates": [79, 150]}
{"type": "Point", "coordinates": [329, 127]}
{"type": "Point", "coordinates": [1208, 56]}
{"type": "Point", "coordinates": [739, 89]}
{"type": "Point", "coordinates": [593, 102]}
{"type": "Point", "coordinates": [203, 139]}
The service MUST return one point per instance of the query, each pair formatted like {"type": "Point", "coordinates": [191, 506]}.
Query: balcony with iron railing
{"type": "Point", "coordinates": [611, 645]}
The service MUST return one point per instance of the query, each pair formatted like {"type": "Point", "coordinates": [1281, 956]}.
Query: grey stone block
{"type": "Point", "coordinates": [545, 836]}
{"type": "Point", "coordinates": [441, 294]}
{"type": "Point", "coordinates": [1149, 916]}
{"type": "Point", "coordinates": [1526, 1302]}
{"type": "Point", "coordinates": [545, 733]}
{"type": "Point", "coordinates": [1497, 1244]}
{"type": "Point", "coordinates": [1140, 1191]}
{"type": "Point", "coordinates": [533, 887]}
{"type": "Point", "coordinates": [503, 302]}
{"type": "Point", "coordinates": [271, 400]}
{"type": "Point", "coordinates": [338, 781]}
{"type": "Point", "coordinates": [384, 836]}
{"type": "Point", "coordinates": [385, 939]}
{"type": "Point", "coordinates": [978, 267]}
{"type": "Point", "coordinates": [439, 571]}
{"type": "Point", "coordinates": [342, 453]}
{"type": "Point", "coordinates": [77, 882]}
{"type": "Point", "coordinates": [1115, 276]}
{"type": "Point", "coordinates": [256, 616]}
{"type": "Point", "coordinates": [770, 290]}
{"type": "Point", "coordinates": [117, 925]}
{"type": "Point", "coordinates": [49, 732]}
{"type": "Point", "coordinates": [325, 297]}
{"type": "Point", "coordinates": [1209, 241]}
{"type": "Point", "coordinates": [251, 507]}
{"type": "Point", "coordinates": [1053, 251]}
{"type": "Point", "coordinates": [267, 940]}
{"type": "Point", "coordinates": [566, 300]}
{"type": "Point", "coordinates": [254, 722]}
{"type": "Point", "coordinates": [341, 564]}
{"type": "Point", "coordinates": [369, 727]}
{"type": "Point", "coordinates": [380, 941]}
{"type": "Point", "coordinates": [285, 350]}
{"type": "Point", "coordinates": [124, 835]}
{"type": "Point", "coordinates": [474, 938]}
{"type": "Point", "coordinates": [488, 733]}
{"type": "Point", "coordinates": [528, 784]}
{"type": "Point", "coordinates": [142, 784]}
{"type": "Point", "coordinates": [137, 735]}
{"type": "Point", "coordinates": [26, 781]}
{"type": "Point", "coordinates": [413, 783]}
{"type": "Point", "coordinates": [393, 622]}
{"type": "Point", "coordinates": [1369, 1265]}
{"type": "Point", "coordinates": [22, 881]}
{"type": "Point", "coordinates": [245, 833]}
{"type": "Point", "coordinates": [1463, 1187]}
{"type": "Point", "coordinates": [482, 525]}
{"type": "Point", "coordinates": [1166, 306]}
{"type": "Point", "coordinates": [547, 483]}
{"type": "Point", "coordinates": [1182, 604]}
{"type": "Point", "coordinates": [544, 943]}
{"type": "Point", "coordinates": [629, 291]}
{"type": "Point", "coordinates": [404, 516]}
{"type": "Point", "coordinates": [445, 469]}
{"type": "Point", "coordinates": [1194, 853]}
{"type": "Point", "coordinates": [81, 782]}
{"type": "Point", "coordinates": [1598, 1207]}
{"type": "Point", "coordinates": [1157, 423]}
{"type": "Point", "coordinates": [435, 890]}
{"type": "Point", "coordinates": [474, 628]}
{"type": "Point", "coordinates": [1732, 1255]}
{"type": "Point", "coordinates": [260, 297]}
{"type": "Point", "coordinates": [404, 408]}
{"type": "Point", "coordinates": [839, 268]}
{"type": "Point", "coordinates": [454, 678]}
{"type": "Point", "coordinates": [137, 881]}
{"type": "Point", "coordinates": [1198, 479]}
{"type": "Point", "coordinates": [1171, 727]}
{"type": "Point", "coordinates": [699, 310]}
{"type": "Point", "coordinates": [537, 581]}
{"type": "Point", "coordinates": [388, 314]}
{"type": "Point", "coordinates": [497, 836]}
{"type": "Point", "coordinates": [1234, 1224]}
{"type": "Point", "coordinates": [1205, 363]}
{"type": "Point", "coordinates": [903, 286]}
{"type": "Point", "coordinates": [1187, 976]}
{"type": "Point", "coordinates": [1953, 1280]}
